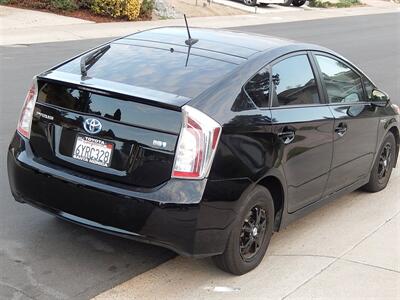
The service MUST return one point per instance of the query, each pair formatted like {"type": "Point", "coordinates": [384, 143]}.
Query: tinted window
{"type": "Point", "coordinates": [343, 85]}
{"type": "Point", "coordinates": [257, 88]}
{"type": "Point", "coordinates": [155, 68]}
{"type": "Point", "coordinates": [294, 82]}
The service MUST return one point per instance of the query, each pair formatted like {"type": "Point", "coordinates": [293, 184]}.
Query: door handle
{"type": "Point", "coordinates": [341, 129]}
{"type": "Point", "coordinates": [287, 135]}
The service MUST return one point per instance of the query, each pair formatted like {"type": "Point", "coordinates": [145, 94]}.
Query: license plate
{"type": "Point", "coordinates": [93, 150]}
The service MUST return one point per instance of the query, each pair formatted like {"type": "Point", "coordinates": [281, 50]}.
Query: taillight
{"type": "Point", "coordinates": [25, 119]}
{"type": "Point", "coordinates": [197, 144]}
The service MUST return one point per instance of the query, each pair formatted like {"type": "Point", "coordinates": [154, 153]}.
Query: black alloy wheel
{"type": "Point", "coordinates": [385, 162]}
{"type": "Point", "coordinates": [383, 166]}
{"type": "Point", "coordinates": [250, 234]}
{"type": "Point", "coordinates": [253, 232]}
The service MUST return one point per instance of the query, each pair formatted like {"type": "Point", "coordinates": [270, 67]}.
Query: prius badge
{"type": "Point", "coordinates": [92, 126]}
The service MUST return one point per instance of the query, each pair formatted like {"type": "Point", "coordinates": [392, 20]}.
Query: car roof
{"type": "Point", "coordinates": [146, 59]}
{"type": "Point", "coordinates": [230, 43]}
{"type": "Point", "coordinates": [159, 60]}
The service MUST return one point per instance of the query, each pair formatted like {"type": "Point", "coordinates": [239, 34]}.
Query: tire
{"type": "Point", "coordinates": [236, 259]}
{"type": "Point", "coordinates": [298, 3]}
{"type": "Point", "coordinates": [383, 165]}
{"type": "Point", "coordinates": [250, 2]}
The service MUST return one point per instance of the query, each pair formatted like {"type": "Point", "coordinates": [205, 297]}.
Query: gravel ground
{"type": "Point", "coordinates": [201, 8]}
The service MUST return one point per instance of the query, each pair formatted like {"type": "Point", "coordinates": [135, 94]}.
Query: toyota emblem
{"type": "Point", "coordinates": [92, 126]}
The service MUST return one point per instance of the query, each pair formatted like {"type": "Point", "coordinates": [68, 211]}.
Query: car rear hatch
{"type": "Point", "coordinates": [135, 89]}
{"type": "Point", "coordinates": [141, 131]}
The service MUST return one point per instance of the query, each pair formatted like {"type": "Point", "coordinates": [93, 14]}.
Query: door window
{"type": "Point", "coordinates": [343, 85]}
{"type": "Point", "coordinates": [294, 82]}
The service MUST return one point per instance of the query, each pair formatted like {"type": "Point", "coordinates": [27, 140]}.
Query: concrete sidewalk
{"type": "Point", "coordinates": [46, 27]}
{"type": "Point", "coordinates": [14, 18]}
{"type": "Point", "coordinates": [349, 249]}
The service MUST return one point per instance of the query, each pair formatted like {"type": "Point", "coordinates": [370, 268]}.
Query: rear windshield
{"type": "Point", "coordinates": [157, 69]}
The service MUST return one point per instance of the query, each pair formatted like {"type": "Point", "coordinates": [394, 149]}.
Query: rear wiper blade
{"type": "Point", "coordinates": [87, 61]}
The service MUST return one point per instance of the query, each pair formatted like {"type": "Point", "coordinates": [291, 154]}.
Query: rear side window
{"type": "Point", "coordinates": [343, 85]}
{"type": "Point", "coordinates": [294, 82]}
{"type": "Point", "coordinates": [257, 88]}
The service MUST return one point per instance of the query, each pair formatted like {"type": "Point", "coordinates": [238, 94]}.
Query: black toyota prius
{"type": "Point", "coordinates": [202, 141]}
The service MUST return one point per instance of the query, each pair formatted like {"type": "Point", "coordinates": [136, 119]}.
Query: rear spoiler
{"type": "Point", "coordinates": [117, 90]}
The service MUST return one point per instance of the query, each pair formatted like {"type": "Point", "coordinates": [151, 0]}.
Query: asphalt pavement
{"type": "Point", "coordinates": [44, 258]}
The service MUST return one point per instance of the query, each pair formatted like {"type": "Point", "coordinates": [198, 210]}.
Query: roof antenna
{"type": "Point", "coordinates": [187, 56]}
{"type": "Point", "coordinates": [190, 42]}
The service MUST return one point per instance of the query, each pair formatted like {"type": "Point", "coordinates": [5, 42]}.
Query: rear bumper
{"type": "Point", "coordinates": [172, 216]}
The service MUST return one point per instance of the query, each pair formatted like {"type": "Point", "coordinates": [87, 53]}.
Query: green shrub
{"type": "Point", "coordinates": [348, 3]}
{"type": "Point", "coordinates": [52, 5]}
{"type": "Point", "coordinates": [317, 3]}
{"type": "Point", "coordinates": [37, 4]}
{"type": "Point", "coordinates": [117, 8]}
{"type": "Point", "coordinates": [64, 4]}
{"type": "Point", "coordinates": [128, 9]}
{"type": "Point", "coordinates": [84, 3]}
{"type": "Point", "coordinates": [131, 9]}
{"type": "Point", "coordinates": [111, 8]}
{"type": "Point", "coordinates": [146, 8]}
{"type": "Point", "coordinates": [340, 4]}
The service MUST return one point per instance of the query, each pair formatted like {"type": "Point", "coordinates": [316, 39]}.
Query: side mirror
{"type": "Point", "coordinates": [379, 98]}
